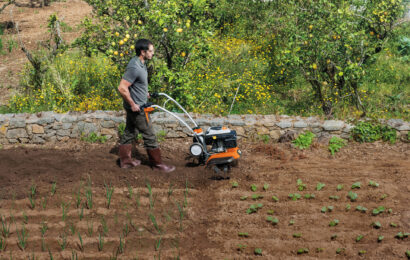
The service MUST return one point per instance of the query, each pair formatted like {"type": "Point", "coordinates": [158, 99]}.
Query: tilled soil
{"type": "Point", "coordinates": [194, 214]}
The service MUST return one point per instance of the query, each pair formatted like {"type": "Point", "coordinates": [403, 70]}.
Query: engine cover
{"type": "Point", "coordinates": [219, 134]}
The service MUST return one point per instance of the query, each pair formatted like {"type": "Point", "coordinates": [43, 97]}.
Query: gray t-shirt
{"type": "Point", "coordinates": [136, 73]}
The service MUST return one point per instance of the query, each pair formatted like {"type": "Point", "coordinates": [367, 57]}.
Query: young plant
{"type": "Point", "coordinates": [265, 187]}
{"type": "Point", "coordinates": [335, 197]}
{"type": "Point", "coordinates": [243, 234]}
{"type": "Point", "coordinates": [121, 246]}
{"type": "Point", "coordinates": [256, 196]}
{"type": "Point", "coordinates": [235, 184]}
{"type": "Point", "coordinates": [392, 224]}
{"type": "Point", "coordinates": [100, 242]}
{"type": "Point", "coordinates": [382, 197]}
{"type": "Point", "coordinates": [89, 197]}
{"type": "Point", "coordinates": [258, 251]}
{"type": "Point", "coordinates": [380, 239]}
{"type": "Point", "coordinates": [81, 213]}
{"type": "Point", "coordinates": [243, 197]}
{"type": "Point", "coordinates": [81, 244]}
{"type": "Point", "coordinates": [303, 251]}
{"type": "Point", "coordinates": [25, 218]}
{"type": "Point", "coordinates": [362, 252]}
{"type": "Point", "coordinates": [376, 225]}
{"type": "Point", "coordinates": [53, 188]}
{"type": "Point", "coordinates": [378, 210]}
{"type": "Point", "coordinates": [104, 226]}
{"type": "Point", "coordinates": [63, 242]}
{"type": "Point", "coordinates": [131, 191]}
{"type": "Point", "coordinates": [335, 143]}
{"type": "Point", "coordinates": [254, 187]}
{"type": "Point", "coordinates": [352, 196]}
{"type": "Point", "coordinates": [72, 229]}
{"type": "Point", "coordinates": [309, 196]}
{"type": "Point", "coordinates": [402, 235]}
{"type": "Point", "coordinates": [333, 223]}
{"type": "Point", "coordinates": [109, 191]}
{"type": "Point", "coordinates": [297, 235]}
{"type": "Point", "coordinates": [356, 185]}
{"type": "Point", "coordinates": [340, 250]}
{"type": "Point", "coordinates": [181, 215]}
{"type": "Point", "coordinates": [33, 191]}
{"type": "Point", "coordinates": [78, 198]}
{"type": "Point", "coordinates": [90, 228]}
{"type": "Point", "coordinates": [158, 244]}
{"type": "Point", "coordinates": [186, 194]}
{"type": "Point", "coordinates": [304, 141]}
{"type": "Point", "coordinates": [295, 196]}
{"type": "Point", "coordinates": [373, 184]}
{"type": "Point", "coordinates": [151, 198]}
{"type": "Point", "coordinates": [5, 227]}
{"type": "Point", "coordinates": [361, 209]}
{"type": "Point", "coordinates": [254, 208]}
{"type": "Point", "coordinates": [154, 222]}
{"type": "Point", "coordinates": [43, 228]}
{"type": "Point", "coordinates": [339, 187]}
{"type": "Point", "coordinates": [32, 202]}
{"type": "Point", "coordinates": [275, 199]}
{"type": "Point", "coordinates": [64, 207]}
{"type": "Point", "coordinates": [2, 244]}
{"type": "Point", "coordinates": [300, 184]}
{"type": "Point", "coordinates": [44, 203]}
{"type": "Point", "coordinates": [22, 238]}
{"type": "Point", "coordinates": [320, 186]}
{"type": "Point", "coordinates": [272, 220]}
{"type": "Point", "coordinates": [359, 237]}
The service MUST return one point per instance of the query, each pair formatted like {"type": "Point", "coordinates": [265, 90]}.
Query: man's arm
{"type": "Point", "coordinates": [123, 88]}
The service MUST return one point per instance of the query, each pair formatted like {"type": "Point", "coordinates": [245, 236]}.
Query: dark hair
{"type": "Point", "coordinates": [142, 45]}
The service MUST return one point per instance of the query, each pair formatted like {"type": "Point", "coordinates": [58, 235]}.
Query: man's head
{"type": "Point", "coordinates": [144, 48]}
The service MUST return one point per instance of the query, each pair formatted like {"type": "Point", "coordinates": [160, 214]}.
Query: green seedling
{"type": "Point", "coordinates": [22, 238]}
{"type": "Point", "coordinates": [125, 230]}
{"type": "Point", "coordinates": [109, 190]}
{"type": "Point", "coordinates": [382, 197]}
{"type": "Point", "coordinates": [44, 203]}
{"type": "Point", "coordinates": [334, 197]}
{"type": "Point", "coordinates": [257, 196]}
{"type": "Point", "coordinates": [25, 218]}
{"type": "Point", "coordinates": [352, 196]}
{"type": "Point", "coordinates": [402, 235]}
{"type": "Point", "coordinates": [241, 247]}
{"type": "Point", "coordinates": [320, 186]}
{"type": "Point", "coordinates": [272, 220]}
{"type": "Point", "coordinates": [235, 184]}
{"type": "Point", "coordinates": [243, 234]}
{"type": "Point", "coordinates": [294, 196]}
{"type": "Point", "coordinates": [297, 235]}
{"type": "Point", "coordinates": [89, 197]}
{"type": "Point", "coordinates": [254, 187]}
{"type": "Point", "coordinates": [378, 210]}
{"type": "Point", "coordinates": [90, 228]}
{"type": "Point", "coordinates": [243, 197]}
{"type": "Point", "coordinates": [104, 226]}
{"type": "Point", "coordinates": [275, 199]}
{"type": "Point", "coordinates": [376, 225]}
{"type": "Point", "coordinates": [74, 255]}
{"type": "Point", "coordinates": [324, 209]}
{"type": "Point", "coordinates": [333, 237]}
{"type": "Point", "coordinates": [301, 185]}
{"type": "Point", "coordinates": [265, 187]}
{"type": "Point", "coordinates": [53, 188]}
{"type": "Point", "coordinates": [32, 202]}
{"type": "Point", "coordinates": [408, 254]}
{"type": "Point", "coordinates": [81, 213]}
{"type": "Point", "coordinates": [380, 239]}
{"type": "Point", "coordinates": [361, 209]}
{"type": "Point", "coordinates": [333, 223]}
{"type": "Point", "coordinates": [339, 187]}
{"type": "Point", "coordinates": [258, 251]}
{"type": "Point", "coordinates": [356, 185]}
{"type": "Point", "coordinates": [362, 252]}
{"type": "Point", "coordinates": [43, 245]}
{"type": "Point", "coordinates": [389, 211]}
{"type": "Point", "coordinates": [150, 196]}
{"type": "Point", "coordinates": [302, 251]}
{"type": "Point", "coordinates": [392, 224]}
{"type": "Point", "coordinates": [131, 191]}
{"type": "Point", "coordinates": [158, 244]}
{"type": "Point", "coordinates": [43, 228]}
{"type": "Point", "coordinates": [373, 184]}
{"type": "Point", "coordinates": [340, 250]}
{"type": "Point", "coordinates": [291, 222]}
{"type": "Point", "coordinates": [81, 244]}
{"type": "Point", "coordinates": [64, 207]}
{"type": "Point", "coordinates": [270, 212]}
{"type": "Point", "coordinates": [359, 237]}
{"type": "Point", "coordinates": [2, 244]}
{"type": "Point", "coordinates": [319, 250]}
{"type": "Point", "coordinates": [347, 208]}
{"type": "Point", "coordinates": [33, 191]}
{"type": "Point", "coordinates": [330, 208]}
{"type": "Point", "coordinates": [100, 242]}
{"type": "Point", "coordinates": [154, 222]}
{"type": "Point", "coordinates": [63, 243]}
{"type": "Point", "coordinates": [181, 215]}
{"type": "Point", "coordinates": [5, 227]}
{"type": "Point", "coordinates": [309, 196]}
{"type": "Point", "coordinates": [254, 208]}
{"type": "Point", "coordinates": [72, 229]}
{"type": "Point", "coordinates": [121, 246]}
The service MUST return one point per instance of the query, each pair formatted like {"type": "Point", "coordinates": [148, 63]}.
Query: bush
{"type": "Point", "coordinates": [71, 82]}
{"type": "Point", "coordinates": [335, 143]}
{"type": "Point", "coordinates": [368, 132]}
{"type": "Point", "coordinates": [304, 141]}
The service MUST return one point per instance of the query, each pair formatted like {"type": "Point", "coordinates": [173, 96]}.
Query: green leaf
{"type": "Point", "coordinates": [320, 186]}
{"type": "Point", "coordinates": [356, 185]}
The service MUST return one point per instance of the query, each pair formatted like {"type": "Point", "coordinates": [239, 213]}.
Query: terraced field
{"type": "Point", "coordinates": [54, 204]}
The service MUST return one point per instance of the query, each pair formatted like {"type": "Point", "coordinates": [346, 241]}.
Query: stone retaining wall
{"type": "Point", "coordinates": [45, 127]}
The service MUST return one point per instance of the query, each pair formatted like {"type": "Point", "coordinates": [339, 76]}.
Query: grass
{"type": "Point", "coordinates": [22, 237]}
{"type": "Point", "coordinates": [109, 191]}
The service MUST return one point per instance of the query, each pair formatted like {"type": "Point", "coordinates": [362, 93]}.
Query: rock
{"type": "Point", "coordinates": [50, 133]}
{"type": "Point", "coordinates": [300, 124]}
{"type": "Point", "coordinates": [37, 129]}
{"type": "Point", "coordinates": [263, 131]}
{"type": "Point", "coordinates": [23, 140]}
{"type": "Point", "coordinates": [274, 135]}
{"type": "Point", "coordinates": [108, 124]}
{"type": "Point", "coordinates": [106, 131]}
{"type": "Point", "coordinates": [284, 124]}
{"type": "Point", "coordinates": [287, 136]}
{"type": "Point", "coordinates": [13, 141]}
{"type": "Point", "coordinates": [38, 140]}
{"type": "Point", "coordinates": [69, 119]}
{"type": "Point", "coordinates": [63, 132]}
{"type": "Point", "coordinates": [63, 138]}
{"type": "Point", "coordinates": [333, 125]}
{"type": "Point", "coordinates": [3, 130]}
{"type": "Point", "coordinates": [404, 127]}
{"type": "Point", "coordinates": [239, 130]}
{"type": "Point", "coordinates": [66, 126]}
{"type": "Point", "coordinates": [348, 128]}
{"type": "Point", "coordinates": [17, 123]}
{"type": "Point", "coordinates": [87, 128]}
{"type": "Point", "coordinates": [51, 139]}
{"type": "Point", "coordinates": [16, 133]}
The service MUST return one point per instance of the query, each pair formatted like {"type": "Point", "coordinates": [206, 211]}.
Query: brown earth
{"type": "Point", "coordinates": [213, 211]}
{"type": "Point", "coordinates": [32, 23]}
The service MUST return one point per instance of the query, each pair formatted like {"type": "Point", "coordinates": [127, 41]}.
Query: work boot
{"type": "Point", "coordinates": [156, 161]}
{"type": "Point", "coordinates": [125, 157]}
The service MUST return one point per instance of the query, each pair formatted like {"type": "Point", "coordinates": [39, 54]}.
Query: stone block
{"type": "Point", "coordinates": [38, 140]}
{"type": "Point", "coordinates": [37, 129]}
{"type": "Point", "coordinates": [66, 126]}
{"type": "Point", "coordinates": [284, 124]}
{"type": "Point", "coordinates": [17, 123]}
{"type": "Point", "coordinates": [300, 124]}
{"type": "Point", "coordinates": [63, 138]}
{"type": "Point", "coordinates": [274, 134]}
{"type": "Point", "coordinates": [16, 133]}
{"type": "Point", "coordinates": [333, 125]}
{"type": "Point", "coordinates": [107, 124]}
{"type": "Point", "coordinates": [107, 131]}
{"type": "Point", "coordinates": [63, 132]}
{"type": "Point", "coordinates": [3, 130]}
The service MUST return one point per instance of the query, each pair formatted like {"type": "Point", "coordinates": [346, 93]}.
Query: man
{"type": "Point", "coordinates": [134, 90]}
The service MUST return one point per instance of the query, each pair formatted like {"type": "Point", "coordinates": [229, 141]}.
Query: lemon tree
{"type": "Point", "coordinates": [331, 42]}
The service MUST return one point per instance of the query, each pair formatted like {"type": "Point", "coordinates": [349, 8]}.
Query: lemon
{"type": "Point", "coordinates": [183, 54]}
{"type": "Point", "coordinates": [127, 36]}
{"type": "Point", "coordinates": [117, 34]}
{"type": "Point", "coordinates": [165, 30]}
{"type": "Point", "coordinates": [139, 22]}
{"type": "Point", "coordinates": [115, 52]}
{"type": "Point", "coordinates": [113, 43]}
{"type": "Point", "coordinates": [121, 42]}
{"type": "Point", "coordinates": [179, 30]}
{"type": "Point", "coordinates": [314, 66]}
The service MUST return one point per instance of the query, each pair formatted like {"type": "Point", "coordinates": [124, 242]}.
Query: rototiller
{"type": "Point", "coordinates": [217, 147]}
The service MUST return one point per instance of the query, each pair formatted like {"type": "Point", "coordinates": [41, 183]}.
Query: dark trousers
{"type": "Point", "coordinates": [136, 123]}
